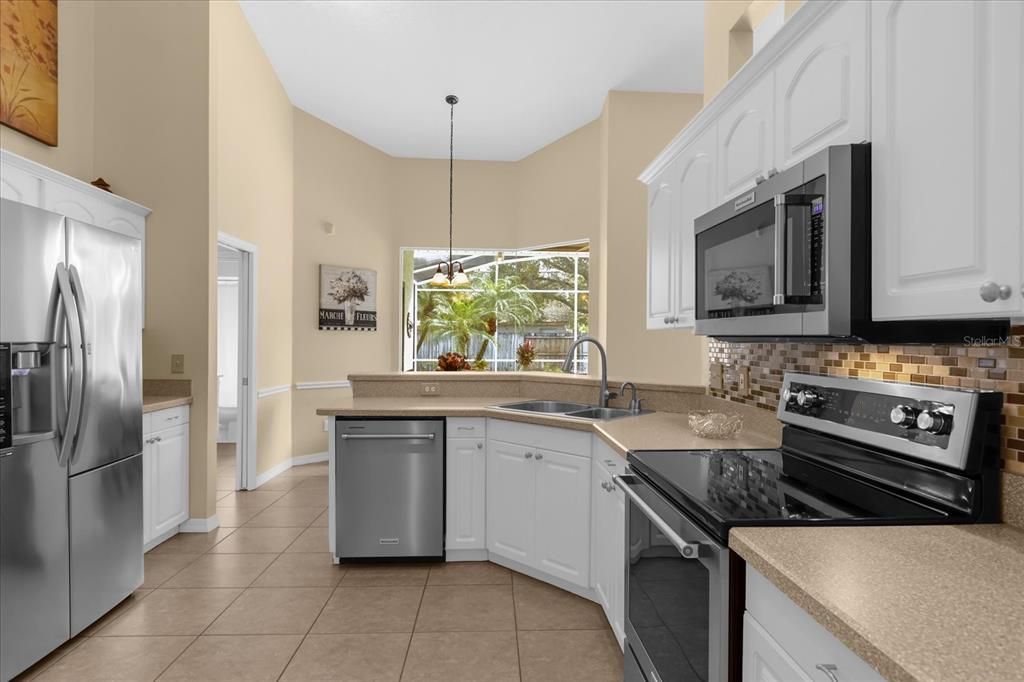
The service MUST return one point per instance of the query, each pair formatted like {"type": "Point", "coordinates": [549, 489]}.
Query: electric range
{"type": "Point", "coordinates": [853, 452]}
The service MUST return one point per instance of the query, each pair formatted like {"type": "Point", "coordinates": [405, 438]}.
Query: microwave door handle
{"type": "Point", "coordinates": [689, 550]}
{"type": "Point", "coordinates": [779, 292]}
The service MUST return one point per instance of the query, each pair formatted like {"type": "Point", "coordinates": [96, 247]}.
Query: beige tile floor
{"type": "Point", "coordinates": [259, 599]}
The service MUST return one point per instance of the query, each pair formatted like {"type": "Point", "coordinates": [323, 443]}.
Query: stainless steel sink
{"type": "Point", "coordinates": [577, 410]}
{"type": "Point", "coordinates": [600, 413]}
{"type": "Point", "coordinates": [545, 406]}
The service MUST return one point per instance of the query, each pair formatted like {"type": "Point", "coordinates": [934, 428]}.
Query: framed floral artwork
{"type": "Point", "coordinates": [348, 298]}
{"type": "Point", "coordinates": [28, 67]}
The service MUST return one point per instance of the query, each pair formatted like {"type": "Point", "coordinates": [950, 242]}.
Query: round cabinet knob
{"type": "Point", "coordinates": [992, 292]}
{"type": "Point", "coordinates": [540, 456]}
{"type": "Point", "coordinates": [808, 398]}
{"type": "Point", "coordinates": [479, 446]}
{"type": "Point", "coordinates": [528, 455]}
{"type": "Point", "coordinates": [904, 416]}
{"type": "Point", "coordinates": [938, 423]}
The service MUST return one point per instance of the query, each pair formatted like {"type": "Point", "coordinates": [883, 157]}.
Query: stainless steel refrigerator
{"type": "Point", "coordinates": [70, 428]}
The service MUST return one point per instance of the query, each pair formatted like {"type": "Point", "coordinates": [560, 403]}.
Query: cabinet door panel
{"type": "Point", "coordinates": [660, 300]}
{"type": "Point", "coordinates": [600, 573]}
{"type": "Point", "coordinates": [510, 500]}
{"type": "Point", "coordinates": [562, 516]}
{"type": "Point", "coordinates": [148, 465]}
{"type": "Point", "coordinates": [695, 195]}
{"type": "Point", "coordinates": [466, 474]}
{"type": "Point", "coordinates": [764, 660]}
{"type": "Point", "coordinates": [170, 479]}
{"type": "Point", "coordinates": [946, 171]}
{"type": "Point", "coordinates": [822, 86]}
{"type": "Point", "coordinates": [744, 139]}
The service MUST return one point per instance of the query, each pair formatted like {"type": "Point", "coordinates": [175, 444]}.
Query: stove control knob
{"type": "Point", "coordinates": [808, 398]}
{"type": "Point", "coordinates": [904, 416]}
{"type": "Point", "coordinates": [788, 397]}
{"type": "Point", "coordinates": [938, 423]}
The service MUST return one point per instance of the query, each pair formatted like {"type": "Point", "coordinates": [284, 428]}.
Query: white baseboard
{"type": "Point", "coordinates": [287, 464]}
{"type": "Point", "coordinates": [200, 525]}
{"type": "Point", "coordinates": [465, 555]}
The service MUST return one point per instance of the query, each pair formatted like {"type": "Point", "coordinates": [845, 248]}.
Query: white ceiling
{"type": "Point", "coordinates": [526, 73]}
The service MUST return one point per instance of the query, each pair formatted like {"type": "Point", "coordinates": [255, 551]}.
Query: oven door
{"type": "Point", "coordinates": [760, 262]}
{"type": "Point", "coordinates": [677, 592]}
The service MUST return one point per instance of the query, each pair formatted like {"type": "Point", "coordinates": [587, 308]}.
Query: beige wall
{"type": "Point", "coordinates": [347, 183]}
{"type": "Point", "coordinates": [151, 144]}
{"type": "Point", "coordinates": [251, 199]}
{"type": "Point", "coordinates": [639, 125]}
{"type": "Point", "coordinates": [75, 67]}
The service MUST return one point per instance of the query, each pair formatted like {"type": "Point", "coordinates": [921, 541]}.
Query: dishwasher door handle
{"type": "Point", "coordinates": [386, 436]}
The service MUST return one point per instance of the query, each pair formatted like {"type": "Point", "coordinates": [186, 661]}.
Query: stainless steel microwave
{"type": "Point", "coordinates": [788, 258]}
{"type": "Point", "coordinates": [791, 259]}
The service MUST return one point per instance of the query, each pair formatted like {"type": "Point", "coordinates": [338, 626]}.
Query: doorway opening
{"type": "Point", "coordinates": [236, 392]}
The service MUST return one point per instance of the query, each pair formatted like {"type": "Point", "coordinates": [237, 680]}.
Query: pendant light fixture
{"type": "Point", "coordinates": [450, 274]}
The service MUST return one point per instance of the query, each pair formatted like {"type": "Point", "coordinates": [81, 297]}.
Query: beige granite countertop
{"type": "Point", "coordinates": [152, 403]}
{"type": "Point", "coordinates": [916, 602]}
{"type": "Point", "coordinates": [654, 431]}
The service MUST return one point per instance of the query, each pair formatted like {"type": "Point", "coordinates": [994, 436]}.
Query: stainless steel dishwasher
{"type": "Point", "coordinates": [389, 479]}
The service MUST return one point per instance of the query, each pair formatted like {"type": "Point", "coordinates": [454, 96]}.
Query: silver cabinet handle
{"type": "Point", "coordinates": [159, 439]}
{"type": "Point", "coordinates": [991, 292]}
{"type": "Point", "coordinates": [540, 456]}
{"type": "Point", "coordinates": [467, 428]}
{"type": "Point", "coordinates": [830, 670]}
{"type": "Point", "coordinates": [386, 436]}
{"type": "Point", "coordinates": [528, 455]}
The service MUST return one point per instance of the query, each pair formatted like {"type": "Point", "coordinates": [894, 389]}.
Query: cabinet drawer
{"type": "Point", "coordinates": [547, 437]}
{"type": "Point", "coordinates": [808, 643]}
{"type": "Point", "coordinates": [163, 419]}
{"type": "Point", "coordinates": [467, 427]}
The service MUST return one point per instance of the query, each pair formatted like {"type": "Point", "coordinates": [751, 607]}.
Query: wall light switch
{"type": "Point", "coordinates": [744, 380]}
{"type": "Point", "coordinates": [431, 389]}
{"type": "Point", "coordinates": [177, 364]}
{"type": "Point", "coordinates": [327, 424]}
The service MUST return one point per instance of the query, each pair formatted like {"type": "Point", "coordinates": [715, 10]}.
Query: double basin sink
{"type": "Point", "coordinates": [566, 409]}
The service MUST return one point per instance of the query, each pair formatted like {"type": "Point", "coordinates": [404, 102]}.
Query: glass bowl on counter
{"type": "Point", "coordinates": [717, 425]}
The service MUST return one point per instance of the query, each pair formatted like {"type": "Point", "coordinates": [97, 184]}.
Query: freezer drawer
{"type": "Point", "coordinates": [106, 539]}
{"type": "Point", "coordinates": [33, 555]}
{"type": "Point", "coordinates": [390, 488]}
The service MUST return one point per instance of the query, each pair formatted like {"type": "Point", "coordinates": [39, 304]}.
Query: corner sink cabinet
{"type": "Point", "coordinates": [164, 474]}
{"type": "Point", "coordinates": [781, 641]}
{"type": "Point", "coordinates": [947, 183]}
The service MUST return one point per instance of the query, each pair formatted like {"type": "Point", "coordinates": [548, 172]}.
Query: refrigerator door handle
{"type": "Point", "coordinates": [78, 291]}
{"type": "Point", "coordinates": [71, 316]}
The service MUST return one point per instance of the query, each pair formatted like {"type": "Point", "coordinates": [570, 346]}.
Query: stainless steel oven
{"type": "Point", "coordinates": [790, 258]}
{"type": "Point", "coordinates": [677, 593]}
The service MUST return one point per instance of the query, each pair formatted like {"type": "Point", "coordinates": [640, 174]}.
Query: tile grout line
{"type": "Point", "coordinates": [515, 622]}
{"type": "Point", "coordinates": [311, 626]}
{"type": "Point", "coordinates": [415, 620]}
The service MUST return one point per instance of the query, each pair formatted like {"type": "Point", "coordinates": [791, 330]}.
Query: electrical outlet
{"type": "Point", "coordinates": [744, 379]}
{"type": "Point", "coordinates": [716, 376]}
{"type": "Point", "coordinates": [327, 424]}
{"type": "Point", "coordinates": [177, 364]}
{"type": "Point", "coordinates": [430, 389]}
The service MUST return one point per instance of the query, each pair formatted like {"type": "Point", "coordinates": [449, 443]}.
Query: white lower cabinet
{"type": "Point", "coordinates": [781, 641]}
{"type": "Point", "coordinates": [465, 480]}
{"type": "Point", "coordinates": [538, 499]}
{"type": "Point", "coordinates": [164, 474]}
{"type": "Point", "coordinates": [607, 538]}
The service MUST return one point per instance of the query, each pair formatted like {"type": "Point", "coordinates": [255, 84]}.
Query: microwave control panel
{"type": "Point", "coordinates": [5, 396]}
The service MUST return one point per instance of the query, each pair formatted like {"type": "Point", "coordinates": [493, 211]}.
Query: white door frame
{"type": "Point", "coordinates": [245, 462]}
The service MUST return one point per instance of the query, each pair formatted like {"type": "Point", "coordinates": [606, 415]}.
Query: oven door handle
{"type": "Point", "coordinates": [689, 550]}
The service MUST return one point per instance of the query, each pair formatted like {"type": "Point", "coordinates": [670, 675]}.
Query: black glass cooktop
{"type": "Point", "coordinates": [726, 488]}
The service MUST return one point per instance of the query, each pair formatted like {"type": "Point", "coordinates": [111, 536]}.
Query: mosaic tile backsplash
{"type": "Point", "coordinates": [996, 364]}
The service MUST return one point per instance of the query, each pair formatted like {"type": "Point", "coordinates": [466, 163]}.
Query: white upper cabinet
{"type": "Point", "coordinates": [660, 255]}
{"type": "Point", "coordinates": [685, 190]}
{"type": "Point", "coordinates": [745, 139]}
{"type": "Point", "coordinates": [946, 131]}
{"type": "Point", "coordinates": [821, 86]}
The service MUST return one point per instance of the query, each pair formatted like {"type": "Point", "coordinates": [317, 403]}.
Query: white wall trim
{"type": "Point", "coordinates": [200, 525]}
{"type": "Point", "coordinates": [287, 464]}
{"type": "Point", "coordinates": [273, 390]}
{"type": "Point", "coordinates": [316, 385]}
